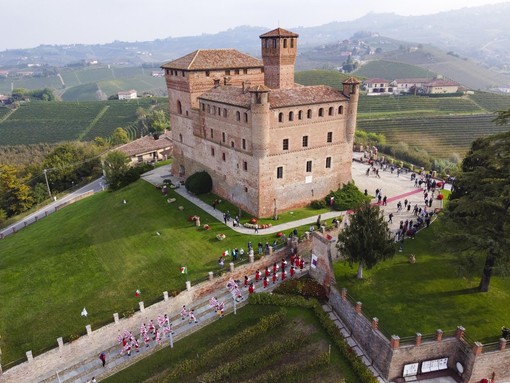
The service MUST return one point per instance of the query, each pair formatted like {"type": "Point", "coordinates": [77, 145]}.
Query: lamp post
{"type": "Point", "coordinates": [47, 183]}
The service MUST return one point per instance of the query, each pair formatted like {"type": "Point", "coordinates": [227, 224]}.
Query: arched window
{"type": "Point", "coordinates": [341, 109]}
{"type": "Point", "coordinates": [291, 114]}
{"type": "Point", "coordinates": [321, 112]}
{"type": "Point", "coordinates": [225, 112]}
{"type": "Point", "coordinates": [331, 111]}
{"type": "Point", "coordinates": [300, 115]}
{"type": "Point", "coordinates": [180, 137]}
{"type": "Point", "coordinates": [179, 107]}
{"type": "Point", "coordinates": [219, 111]}
{"type": "Point", "coordinates": [285, 43]}
{"type": "Point", "coordinates": [238, 116]}
{"type": "Point", "coordinates": [309, 113]}
{"type": "Point", "coordinates": [245, 117]}
{"type": "Point", "coordinates": [280, 117]}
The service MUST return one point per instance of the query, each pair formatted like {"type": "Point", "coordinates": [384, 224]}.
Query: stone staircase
{"type": "Point", "coordinates": [115, 361]}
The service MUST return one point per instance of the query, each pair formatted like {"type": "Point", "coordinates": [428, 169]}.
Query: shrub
{"type": "Point", "coordinates": [199, 183]}
{"type": "Point", "coordinates": [306, 287]}
{"type": "Point", "coordinates": [318, 204]}
{"type": "Point", "coordinates": [346, 198]}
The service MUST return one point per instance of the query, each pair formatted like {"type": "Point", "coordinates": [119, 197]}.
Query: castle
{"type": "Point", "coordinates": [268, 143]}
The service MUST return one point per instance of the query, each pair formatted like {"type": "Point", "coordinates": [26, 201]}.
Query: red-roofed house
{"type": "Point", "coordinates": [268, 143]}
{"type": "Point", "coordinates": [440, 85]}
{"type": "Point", "coordinates": [378, 87]}
{"type": "Point", "coordinates": [147, 149]}
{"type": "Point", "coordinates": [127, 95]}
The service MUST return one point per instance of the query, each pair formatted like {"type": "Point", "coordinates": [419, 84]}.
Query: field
{"type": "Point", "coordinates": [391, 70]}
{"type": "Point", "coordinates": [95, 254]}
{"type": "Point", "coordinates": [209, 352]}
{"type": "Point", "coordinates": [428, 295]}
{"type": "Point", "coordinates": [51, 122]}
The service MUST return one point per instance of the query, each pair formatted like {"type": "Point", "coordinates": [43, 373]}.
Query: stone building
{"type": "Point", "coordinates": [268, 143]}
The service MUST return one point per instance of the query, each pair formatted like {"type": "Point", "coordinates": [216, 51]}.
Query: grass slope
{"type": "Point", "coordinates": [428, 295]}
{"type": "Point", "coordinates": [391, 70]}
{"type": "Point", "coordinates": [95, 254]}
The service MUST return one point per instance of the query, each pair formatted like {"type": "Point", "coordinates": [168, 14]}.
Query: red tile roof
{"type": "Point", "coordinates": [146, 144]}
{"type": "Point", "coordinates": [203, 59]}
{"type": "Point", "coordinates": [441, 82]}
{"type": "Point", "coordinates": [278, 98]}
{"type": "Point", "coordinates": [279, 32]}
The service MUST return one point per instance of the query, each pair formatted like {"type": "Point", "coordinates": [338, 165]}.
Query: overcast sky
{"type": "Point", "coordinates": [29, 23]}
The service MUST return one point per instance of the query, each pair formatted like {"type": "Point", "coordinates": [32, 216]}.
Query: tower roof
{"type": "Point", "coordinates": [279, 32]}
{"type": "Point", "coordinates": [203, 59]}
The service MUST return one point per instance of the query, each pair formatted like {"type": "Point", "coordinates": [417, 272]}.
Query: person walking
{"type": "Point", "coordinates": [390, 218]}
{"type": "Point", "coordinates": [102, 357]}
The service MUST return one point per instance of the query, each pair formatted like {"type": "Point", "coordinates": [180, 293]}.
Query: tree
{"type": "Point", "coordinates": [119, 137]}
{"type": "Point", "coordinates": [367, 239]}
{"type": "Point", "coordinates": [478, 211]}
{"type": "Point", "coordinates": [15, 196]}
{"type": "Point", "coordinates": [115, 167]}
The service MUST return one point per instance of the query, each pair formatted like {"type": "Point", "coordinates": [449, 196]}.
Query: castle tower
{"type": "Point", "coordinates": [351, 90]}
{"type": "Point", "coordinates": [279, 49]}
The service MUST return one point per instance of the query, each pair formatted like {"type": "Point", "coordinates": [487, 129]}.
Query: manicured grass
{"type": "Point", "coordinates": [196, 345]}
{"type": "Point", "coordinates": [429, 295]}
{"type": "Point", "coordinates": [283, 217]}
{"type": "Point", "coordinates": [95, 254]}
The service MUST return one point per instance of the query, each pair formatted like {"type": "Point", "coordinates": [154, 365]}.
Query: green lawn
{"type": "Point", "coordinates": [429, 295]}
{"type": "Point", "coordinates": [298, 322]}
{"type": "Point", "coordinates": [95, 254]}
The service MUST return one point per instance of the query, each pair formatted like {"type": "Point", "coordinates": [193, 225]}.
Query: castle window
{"type": "Point", "coordinates": [285, 144]}
{"type": "Point", "coordinates": [285, 43]}
{"type": "Point", "coordinates": [291, 116]}
{"type": "Point", "coordinates": [214, 109]}
{"type": "Point", "coordinates": [238, 116]}
{"type": "Point", "coordinates": [330, 137]}
{"type": "Point", "coordinates": [219, 111]}
{"type": "Point", "coordinates": [208, 108]}
{"type": "Point", "coordinates": [331, 111]}
{"type": "Point", "coordinates": [207, 73]}
{"type": "Point", "coordinates": [321, 112]}
{"type": "Point", "coordinates": [167, 71]}
{"type": "Point", "coordinates": [232, 143]}
{"type": "Point", "coordinates": [244, 144]}
{"type": "Point", "coordinates": [300, 115]}
{"type": "Point", "coordinates": [245, 117]}
{"type": "Point", "coordinates": [262, 70]}
{"type": "Point", "coordinates": [267, 43]}
{"type": "Point", "coordinates": [223, 137]}
{"type": "Point", "coordinates": [179, 107]}
{"type": "Point", "coordinates": [275, 43]}
{"type": "Point", "coordinates": [180, 137]}
{"type": "Point", "coordinates": [279, 172]}
{"type": "Point", "coordinates": [212, 152]}
{"type": "Point", "coordinates": [203, 107]}
{"type": "Point", "coordinates": [280, 117]}
{"type": "Point", "coordinates": [308, 166]}
{"type": "Point", "coordinates": [309, 113]}
{"type": "Point", "coordinates": [227, 72]}
{"type": "Point", "coordinates": [305, 141]}
{"type": "Point", "coordinates": [223, 156]}
{"type": "Point", "coordinates": [225, 113]}
{"type": "Point", "coordinates": [212, 134]}
{"type": "Point", "coordinates": [292, 43]}
{"type": "Point", "coordinates": [236, 71]}
{"type": "Point", "coordinates": [245, 165]}
{"type": "Point", "coordinates": [328, 162]}
{"type": "Point", "coordinates": [245, 71]}
{"type": "Point", "coordinates": [182, 73]}
{"type": "Point", "coordinates": [341, 109]}
{"type": "Point", "coordinates": [216, 83]}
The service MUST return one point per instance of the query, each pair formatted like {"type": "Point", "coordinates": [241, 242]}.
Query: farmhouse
{"type": "Point", "coordinates": [127, 95]}
{"type": "Point", "coordinates": [378, 87]}
{"type": "Point", "coordinates": [148, 149]}
{"type": "Point", "coordinates": [269, 144]}
{"type": "Point", "coordinates": [408, 85]}
{"type": "Point", "coordinates": [440, 85]}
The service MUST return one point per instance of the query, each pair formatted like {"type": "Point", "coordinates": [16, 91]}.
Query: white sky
{"type": "Point", "coordinates": [29, 23]}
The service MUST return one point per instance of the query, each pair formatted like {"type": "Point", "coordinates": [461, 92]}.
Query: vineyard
{"type": "Point", "coordinates": [440, 136]}
{"type": "Point", "coordinates": [391, 70]}
{"type": "Point", "coordinates": [51, 122]}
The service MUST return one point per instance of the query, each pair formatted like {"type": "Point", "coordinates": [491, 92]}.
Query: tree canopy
{"type": "Point", "coordinates": [478, 210]}
{"type": "Point", "coordinates": [367, 239]}
{"type": "Point", "coordinates": [15, 196]}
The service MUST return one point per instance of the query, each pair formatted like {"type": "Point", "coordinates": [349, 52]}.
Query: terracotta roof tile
{"type": "Point", "coordinates": [204, 59]}
{"type": "Point", "coordinates": [279, 32]}
{"type": "Point", "coordinates": [302, 95]}
{"type": "Point", "coordinates": [441, 82]}
{"type": "Point", "coordinates": [146, 144]}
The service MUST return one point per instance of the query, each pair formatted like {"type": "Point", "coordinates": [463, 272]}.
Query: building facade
{"type": "Point", "coordinates": [268, 143]}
